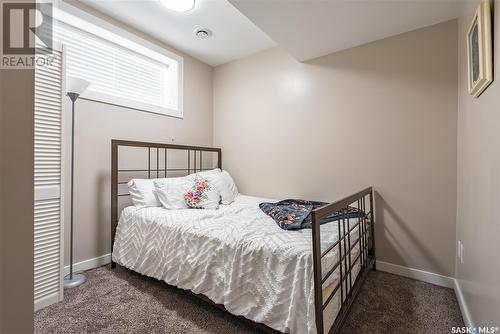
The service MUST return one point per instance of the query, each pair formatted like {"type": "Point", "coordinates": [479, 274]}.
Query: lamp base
{"type": "Point", "coordinates": [77, 280]}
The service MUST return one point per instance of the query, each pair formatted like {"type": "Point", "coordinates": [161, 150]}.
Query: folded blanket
{"type": "Point", "coordinates": [295, 214]}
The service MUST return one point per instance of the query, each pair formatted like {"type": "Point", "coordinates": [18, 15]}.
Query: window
{"type": "Point", "coordinates": [121, 71]}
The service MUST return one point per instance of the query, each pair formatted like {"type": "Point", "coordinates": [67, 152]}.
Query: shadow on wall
{"type": "Point", "coordinates": [394, 57]}
{"type": "Point", "coordinates": [103, 212]}
{"type": "Point", "coordinates": [388, 243]}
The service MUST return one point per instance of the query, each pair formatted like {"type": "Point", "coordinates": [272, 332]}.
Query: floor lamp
{"type": "Point", "coordinates": [74, 88]}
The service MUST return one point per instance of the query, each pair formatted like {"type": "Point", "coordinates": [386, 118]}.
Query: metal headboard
{"type": "Point", "coordinates": [194, 163]}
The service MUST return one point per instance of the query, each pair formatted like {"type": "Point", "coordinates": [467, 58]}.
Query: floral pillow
{"type": "Point", "coordinates": [202, 195]}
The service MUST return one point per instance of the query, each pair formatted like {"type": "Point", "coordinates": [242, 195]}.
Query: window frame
{"type": "Point", "coordinates": [82, 20]}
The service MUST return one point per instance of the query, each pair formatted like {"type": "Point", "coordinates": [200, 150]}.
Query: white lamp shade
{"type": "Point", "coordinates": [76, 85]}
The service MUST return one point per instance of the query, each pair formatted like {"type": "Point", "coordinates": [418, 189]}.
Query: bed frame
{"type": "Point", "coordinates": [157, 154]}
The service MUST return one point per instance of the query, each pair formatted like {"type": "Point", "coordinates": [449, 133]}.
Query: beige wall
{"type": "Point", "coordinates": [16, 201]}
{"type": "Point", "coordinates": [382, 114]}
{"type": "Point", "coordinates": [283, 127]}
{"type": "Point", "coordinates": [98, 123]}
{"type": "Point", "coordinates": [478, 224]}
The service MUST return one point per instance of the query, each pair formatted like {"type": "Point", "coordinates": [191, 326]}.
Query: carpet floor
{"type": "Point", "coordinates": [121, 301]}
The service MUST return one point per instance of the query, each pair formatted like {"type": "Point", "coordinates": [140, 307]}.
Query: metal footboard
{"type": "Point", "coordinates": [348, 284]}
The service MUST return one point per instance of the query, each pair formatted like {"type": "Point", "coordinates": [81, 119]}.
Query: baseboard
{"type": "Point", "coordinates": [46, 301]}
{"type": "Point", "coordinates": [89, 264]}
{"type": "Point", "coordinates": [433, 278]}
{"type": "Point", "coordinates": [463, 305]}
{"type": "Point", "coordinates": [417, 274]}
{"type": "Point", "coordinates": [395, 269]}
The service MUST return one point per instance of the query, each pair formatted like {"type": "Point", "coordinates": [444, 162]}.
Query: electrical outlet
{"type": "Point", "coordinates": [461, 253]}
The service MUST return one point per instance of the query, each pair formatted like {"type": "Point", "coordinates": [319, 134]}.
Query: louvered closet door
{"type": "Point", "coordinates": [48, 145]}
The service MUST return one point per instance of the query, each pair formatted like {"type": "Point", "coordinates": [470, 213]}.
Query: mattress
{"type": "Point", "coordinates": [237, 256]}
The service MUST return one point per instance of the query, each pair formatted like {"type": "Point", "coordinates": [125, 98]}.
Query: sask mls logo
{"type": "Point", "coordinates": [26, 34]}
{"type": "Point", "coordinates": [474, 330]}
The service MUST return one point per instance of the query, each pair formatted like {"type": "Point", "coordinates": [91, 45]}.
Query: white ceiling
{"type": "Point", "coordinates": [313, 28]}
{"type": "Point", "coordinates": [306, 28]}
{"type": "Point", "coordinates": [234, 36]}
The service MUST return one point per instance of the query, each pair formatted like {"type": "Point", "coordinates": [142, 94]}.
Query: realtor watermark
{"type": "Point", "coordinates": [26, 39]}
{"type": "Point", "coordinates": [475, 330]}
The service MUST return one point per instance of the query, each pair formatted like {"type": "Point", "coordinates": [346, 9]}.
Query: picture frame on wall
{"type": "Point", "coordinates": [479, 50]}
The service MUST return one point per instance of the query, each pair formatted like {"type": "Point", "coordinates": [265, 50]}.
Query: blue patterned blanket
{"type": "Point", "coordinates": [295, 214]}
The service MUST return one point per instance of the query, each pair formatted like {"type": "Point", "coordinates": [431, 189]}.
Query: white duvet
{"type": "Point", "coordinates": [236, 256]}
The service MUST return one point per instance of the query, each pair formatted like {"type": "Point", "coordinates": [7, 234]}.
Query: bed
{"type": "Point", "coordinates": [237, 257]}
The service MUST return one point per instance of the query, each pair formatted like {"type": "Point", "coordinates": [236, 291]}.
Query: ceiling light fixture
{"type": "Point", "coordinates": [203, 33]}
{"type": "Point", "coordinates": [178, 5]}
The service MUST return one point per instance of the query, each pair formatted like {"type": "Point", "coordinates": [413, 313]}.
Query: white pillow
{"type": "Point", "coordinates": [171, 191]}
{"type": "Point", "coordinates": [225, 185]}
{"type": "Point", "coordinates": [143, 193]}
{"type": "Point", "coordinates": [202, 194]}
{"type": "Point", "coordinates": [230, 190]}
{"type": "Point", "coordinates": [207, 173]}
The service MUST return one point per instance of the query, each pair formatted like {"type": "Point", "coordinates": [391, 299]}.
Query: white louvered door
{"type": "Point", "coordinates": [48, 147]}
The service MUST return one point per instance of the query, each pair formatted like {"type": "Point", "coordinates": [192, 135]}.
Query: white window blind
{"type": "Point", "coordinates": [47, 215]}
{"type": "Point", "coordinates": [121, 72]}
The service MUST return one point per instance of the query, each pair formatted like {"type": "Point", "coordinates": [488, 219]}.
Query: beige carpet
{"type": "Point", "coordinates": [120, 301]}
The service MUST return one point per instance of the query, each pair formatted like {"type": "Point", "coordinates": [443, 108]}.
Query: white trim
{"type": "Point", "coordinates": [92, 95]}
{"type": "Point", "coordinates": [89, 264]}
{"type": "Point", "coordinates": [463, 305]}
{"type": "Point", "coordinates": [47, 300]}
{"type": "Point", "coordinates": [395, 269]}
{"type": "Point", "coordinates": [417, 274]}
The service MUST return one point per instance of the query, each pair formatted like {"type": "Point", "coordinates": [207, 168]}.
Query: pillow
{"type": "Point", "coordinates": [225, 185]}
{"type": "Point", "coordinates": [207, 173]}
{"type": "Point", "coordinates": [170, 192]}
{"type": "Point", "coordinates": [229, 190]}
{"type": "Point", "coordinates": [202, 194]}
{"type": "Point", "coordinates": [142, 192]}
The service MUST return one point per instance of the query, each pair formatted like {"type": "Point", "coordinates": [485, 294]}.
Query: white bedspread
{"type": "Point", "coordinates": [236, 256]}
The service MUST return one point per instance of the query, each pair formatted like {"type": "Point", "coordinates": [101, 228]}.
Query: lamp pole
{"type": "Point", "coordinates": [72, 280]}
{"type": "Point", "coordinates": [72, 97]}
